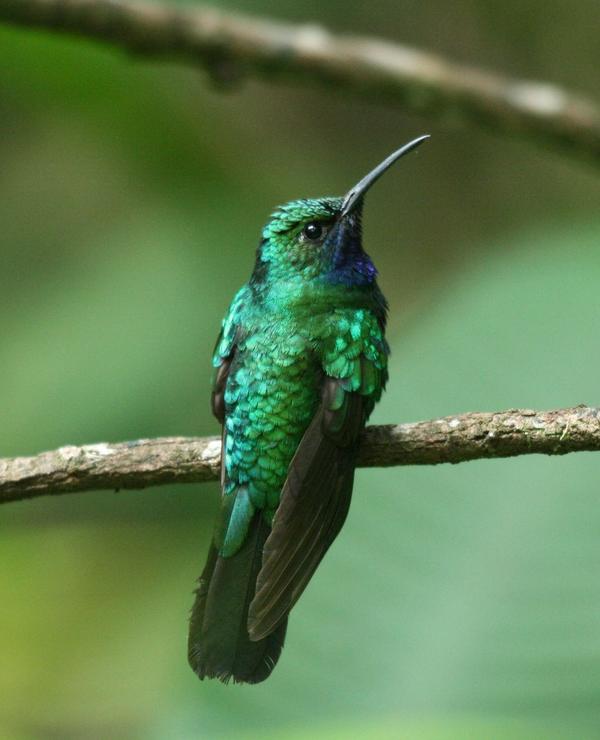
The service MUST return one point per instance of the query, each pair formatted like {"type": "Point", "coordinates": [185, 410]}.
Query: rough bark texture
{"type": "Point", "coordinates": [150, 462]}
{"type": "Point", "coordinates": [230, 47]}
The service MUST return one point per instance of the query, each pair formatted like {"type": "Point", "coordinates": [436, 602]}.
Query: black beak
{"type": "Point", "coordinates": [355, 195]}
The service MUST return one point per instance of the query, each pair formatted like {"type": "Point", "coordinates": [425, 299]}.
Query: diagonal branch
{"type": "Point", "coordinates": [231, 46]}
{"type": "Point", "coordinates": [150, 462]}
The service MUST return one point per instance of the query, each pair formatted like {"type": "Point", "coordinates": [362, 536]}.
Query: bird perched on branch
{"type": "Point", "coordinates": [300, 362]}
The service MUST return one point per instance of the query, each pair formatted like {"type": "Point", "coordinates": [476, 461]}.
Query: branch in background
{"type": "Point", "coordinates": [150, 462]}
{"type": "Point", "coordinates": [231, 47]}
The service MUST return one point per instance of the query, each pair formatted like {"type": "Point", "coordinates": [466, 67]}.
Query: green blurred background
{"type": "Point", "coordinates": [459, 602]}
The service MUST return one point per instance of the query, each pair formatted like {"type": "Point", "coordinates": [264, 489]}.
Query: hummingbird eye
{"type": "Point", "coordinates": [313, 231]}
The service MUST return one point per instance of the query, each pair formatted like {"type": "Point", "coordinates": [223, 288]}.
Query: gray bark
{"type": "Point", "coordinates": [152, 462]}
{"type": "Point", "coordinates": [232, 47]}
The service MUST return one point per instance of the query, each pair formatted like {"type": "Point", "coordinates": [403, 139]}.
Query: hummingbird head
{"type": "Point", "coordinates": [321, 239]}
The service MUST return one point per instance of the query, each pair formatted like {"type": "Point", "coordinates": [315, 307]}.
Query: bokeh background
{"type": "Point", "coordinates": [459, 602]}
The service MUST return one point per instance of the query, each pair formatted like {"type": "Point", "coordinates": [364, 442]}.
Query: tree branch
{"type": "Point", "coordinates": [231, 47]}
{"type": "Point", "coordinates": [150, 462]}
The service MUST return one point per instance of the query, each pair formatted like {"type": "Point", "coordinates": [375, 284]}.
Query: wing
{"type": "Point", "coordinates": [317, 492]}
{"type": "Point", "coordinates": [224, 352]}
{"type": "Point", "coordinates": [223, 358]}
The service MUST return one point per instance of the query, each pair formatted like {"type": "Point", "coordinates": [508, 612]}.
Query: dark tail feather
{"type": "Point", "coordinates": [219, 645]}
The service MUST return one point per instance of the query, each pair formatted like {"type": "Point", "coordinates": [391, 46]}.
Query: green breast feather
{"type": "Point", "coordinates": [273, 390]}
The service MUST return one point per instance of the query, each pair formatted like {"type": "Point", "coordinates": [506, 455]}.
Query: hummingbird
{"type": "Point", "coordinates": [299, 364]}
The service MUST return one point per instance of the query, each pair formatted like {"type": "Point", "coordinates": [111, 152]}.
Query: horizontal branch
{"type": "Point", "coordinates": [231, 46]}
{"type": "Point", "coordinates": [151, 462]}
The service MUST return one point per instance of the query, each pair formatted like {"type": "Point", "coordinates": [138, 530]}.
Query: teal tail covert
{"type": "Point", "coordinates": [300, 363]}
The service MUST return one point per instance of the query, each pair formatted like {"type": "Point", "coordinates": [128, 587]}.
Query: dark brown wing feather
{"type": "Point", "coordinates": [217, 399]}
{"type": "Point", "coordinates": [313, 507]}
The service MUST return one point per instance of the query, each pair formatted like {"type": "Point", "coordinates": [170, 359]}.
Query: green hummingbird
{"type": "Point", "coordinates": [300, 363]}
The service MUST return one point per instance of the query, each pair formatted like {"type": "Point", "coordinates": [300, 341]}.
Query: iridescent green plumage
{"type": "Point", "coordinates": [299, 365]}
{"type": "Point", "coordinates": [274, 388]}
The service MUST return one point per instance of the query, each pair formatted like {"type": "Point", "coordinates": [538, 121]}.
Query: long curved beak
{"type": "Point", "coordinates": [354, 195]}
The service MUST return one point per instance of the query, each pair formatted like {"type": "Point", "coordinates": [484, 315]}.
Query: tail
{"type": "Point", "coordinates": [219, 645]}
